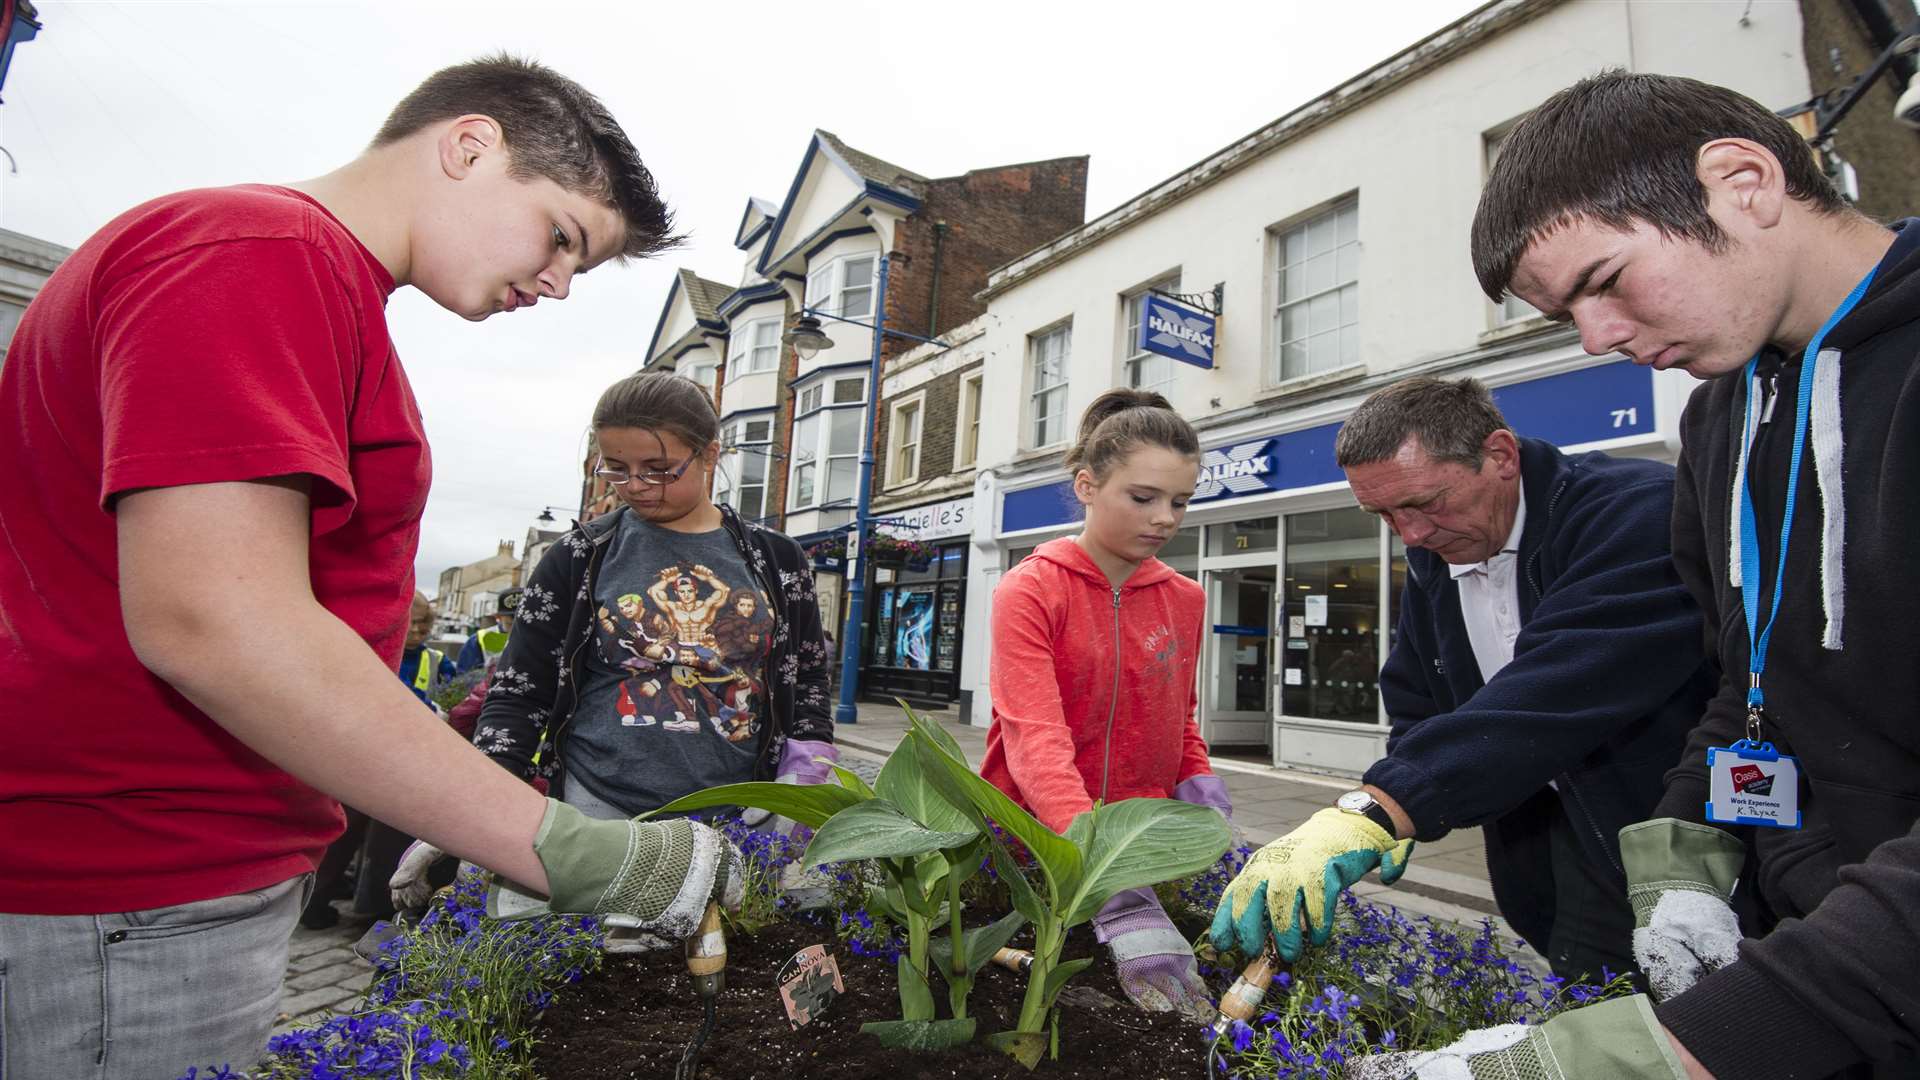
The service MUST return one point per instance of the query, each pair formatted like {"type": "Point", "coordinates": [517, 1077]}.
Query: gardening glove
{"type": "Point", "coordinates": [1289, 888]}
{"type": "Point", "coordinates": [1155, 963]}
{"type": "Point", "coordinates": [1680, 877]}
{"type": "Point", "coordinates": [409, 886]}
{"type": "Point", "coordinates": [656, 876]}
{"type": "Point", "coordinates": [1614, 1040]}
{"type": "Point", "coordinates": [801, 762]}
{"type": "Point", "coordinates": [1206, 789]}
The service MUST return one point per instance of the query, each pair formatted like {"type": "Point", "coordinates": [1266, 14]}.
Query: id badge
{"type": "Point", "coordinates": [1751, 784]}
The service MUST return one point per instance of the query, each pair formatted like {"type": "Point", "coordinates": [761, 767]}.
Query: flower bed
{"type": "Point", "coordinates": [461, 995]}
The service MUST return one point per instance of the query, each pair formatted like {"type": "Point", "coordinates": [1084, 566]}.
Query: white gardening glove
{"type": "Point", "coordinates": [1680, 877]}
{"type": "Point", "coordinates": [1614, 1040]}
{"type": "Point", "coordinates": [656, 876]}
{"type": "Point", "coordinates": [409, 885]}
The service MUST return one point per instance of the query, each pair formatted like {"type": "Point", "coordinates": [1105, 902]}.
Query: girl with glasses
{"type": "Point", "coordinates": [689, 643]}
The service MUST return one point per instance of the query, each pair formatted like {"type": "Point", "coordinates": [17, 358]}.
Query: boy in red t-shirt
{"type": "Point", "coordinates": [215, 456]}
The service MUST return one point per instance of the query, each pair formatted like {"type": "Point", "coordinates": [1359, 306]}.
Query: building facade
{"type": "Point", "coordinates": [470, 593]}
{"type": "Point", "coordinates": [25, 265]}
{"type": "Point", "coordinates": [1317, 259]}
{"type": "Point", "coordinates": [793, 427]}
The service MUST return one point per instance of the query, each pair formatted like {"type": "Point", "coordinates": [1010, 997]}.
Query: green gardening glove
{"type": "Point", "coordinates": [1614, 1040]}
{"type": "Point", "coordinates": [1680, 877]}
{"type": "Point", "coordinates": [654, 876]}
{"type": "Point", "coordinates": [1289, 887]}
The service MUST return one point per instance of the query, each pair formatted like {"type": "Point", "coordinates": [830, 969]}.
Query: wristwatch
{"type": "Point", "coordinates": [1359, 802]}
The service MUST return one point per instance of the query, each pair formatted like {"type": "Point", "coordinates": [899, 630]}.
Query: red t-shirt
{"type": "Point", "coordinates": [217, 335]}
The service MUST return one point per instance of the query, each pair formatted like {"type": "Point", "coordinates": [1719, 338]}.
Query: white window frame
{"type": "Point", "coordinates": [1137, 364]}
{"type": "Point", "coordinates": [816, 401]}
{"type": "Point", "coordinates": [1511, 309]}
{"type": "Point", "coordinates": [1335, 294]}
{"type": "Point", "coordinates": [705, 373]}
{"type": "Point", "coordinates": [737, 436]}
{"type": "Point", "coordinates": [899, 446]}
{"type": "Point", "coordinates": [1052, 395]}
{"type": "Point", "coordinates": [966, 433]}
{"type": "Point", "coordinates": [747, 354]}
{"type": "Point", "coordinates": [828, 290]}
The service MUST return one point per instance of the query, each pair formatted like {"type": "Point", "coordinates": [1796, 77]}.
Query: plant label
{"type": "Point", "coordinates": [813, 986]}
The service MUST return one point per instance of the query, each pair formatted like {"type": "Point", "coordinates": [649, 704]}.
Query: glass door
{"type": "Point", "coordinates": [1237, 687]}
{"type": "Point", "coordinates": [1331, 664]}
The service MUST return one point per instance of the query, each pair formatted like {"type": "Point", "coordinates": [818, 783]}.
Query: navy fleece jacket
{"type": "Point", "coordinates": [1608, 674]}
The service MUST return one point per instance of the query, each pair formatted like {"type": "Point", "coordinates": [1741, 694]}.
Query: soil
{"type": "Point", "coordinates": [632, 1019]}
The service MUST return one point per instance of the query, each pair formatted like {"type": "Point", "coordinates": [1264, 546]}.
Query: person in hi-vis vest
{"type": "Point", "coordinates": [423, 669]}
{"type": "Point", "coordinates": [485, 646]}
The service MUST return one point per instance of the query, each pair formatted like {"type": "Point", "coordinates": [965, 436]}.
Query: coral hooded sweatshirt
{"type": "Point", "coordinates": [1052, 680]}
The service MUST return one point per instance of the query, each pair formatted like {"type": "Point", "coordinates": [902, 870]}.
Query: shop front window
{"type": "Point", "coordinates": [1330, 666]}
{"type": "Point", "coordinates": [918, 622]}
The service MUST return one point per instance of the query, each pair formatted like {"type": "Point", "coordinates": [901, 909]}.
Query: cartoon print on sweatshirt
{"type": "Point", "coordinates": [692, 647]}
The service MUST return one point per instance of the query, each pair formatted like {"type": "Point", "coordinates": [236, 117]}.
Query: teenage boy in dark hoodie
{"type": "Point", "coordinates": [227, 459]}
{"type": "Point", "coordinates": [1687, 226]}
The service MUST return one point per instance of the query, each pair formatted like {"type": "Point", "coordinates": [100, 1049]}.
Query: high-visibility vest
{"type": "Point", "coordinates": [493, 642]}
{"type": "Point", "coordinates": [430, 660]}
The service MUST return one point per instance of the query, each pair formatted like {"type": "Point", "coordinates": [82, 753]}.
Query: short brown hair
{"type": "Point", "coordinates": [554, 130]}
{"type": "Point", "coordinates": [1619, 148]}
{"type": "Point", "coordinates": [1451, 418]}
{"type": "Point", "coordinates": [1120, 420]}
{"type": "Point", "coordinates": [660, 401]}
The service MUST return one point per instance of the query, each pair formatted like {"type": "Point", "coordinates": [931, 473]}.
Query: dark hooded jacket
{"type": "Point", "coordinates": [1837, 981]}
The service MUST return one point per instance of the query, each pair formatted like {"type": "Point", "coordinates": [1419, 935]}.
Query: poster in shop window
{"type": "Point", "coordinates": [913, 629]}
{"type": "Point", "coordinates": [1317, 610]}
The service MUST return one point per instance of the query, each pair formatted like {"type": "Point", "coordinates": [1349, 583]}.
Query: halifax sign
{"type": "Point", "coordinates": [1172, 329]}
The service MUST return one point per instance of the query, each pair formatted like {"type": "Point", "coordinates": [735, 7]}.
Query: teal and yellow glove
{"type": "Point", "coordinates": [1289, 887]}
{"type": "Point", "coordinates": [1614, 1040]}
{"type": "Point", "coordinates": [654, 876]}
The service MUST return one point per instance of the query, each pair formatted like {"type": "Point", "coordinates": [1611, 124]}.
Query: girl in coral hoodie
{"type": "Point", "coordinates": [1093, 672]}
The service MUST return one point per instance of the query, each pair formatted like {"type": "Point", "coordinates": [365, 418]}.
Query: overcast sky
{"type": "Point", "coordinates": [117, 102]}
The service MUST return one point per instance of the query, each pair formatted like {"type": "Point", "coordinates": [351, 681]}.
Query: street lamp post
{"type": "Point", "coordinates": [807, 339]}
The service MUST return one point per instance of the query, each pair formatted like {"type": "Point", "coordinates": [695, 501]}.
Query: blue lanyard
{"type": "Point", "coordinates": [1758, 637]}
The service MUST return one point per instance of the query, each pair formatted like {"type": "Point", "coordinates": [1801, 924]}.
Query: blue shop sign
{"type": "Point", "coordinates": [1172, 329]}
{"type": "Point", "coordinates": [1608, 401]}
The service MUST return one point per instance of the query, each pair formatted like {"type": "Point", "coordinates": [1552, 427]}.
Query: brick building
{"type": "Point", "coordinates": [794, 427]}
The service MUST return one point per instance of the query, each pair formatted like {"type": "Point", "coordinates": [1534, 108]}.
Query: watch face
{"type": "Point", "coordinates": [1355, 801]}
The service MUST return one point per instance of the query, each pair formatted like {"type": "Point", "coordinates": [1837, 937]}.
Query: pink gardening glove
{"type": "Point", "coordinates": [1208, 790]}
{"type": "Point", "coordinates": [800, 763]}
{"type": "Point", "coordinates": [1155, 962]}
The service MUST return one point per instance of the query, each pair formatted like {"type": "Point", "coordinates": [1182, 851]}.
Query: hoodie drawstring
{"type": "Point", "coordinates": [1113, 701]}
{"type": "Point", "coordinates": [1824, 432]}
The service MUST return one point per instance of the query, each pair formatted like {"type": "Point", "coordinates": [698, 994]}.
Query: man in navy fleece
{"type": "Point", "coordinates": [1547, 668]}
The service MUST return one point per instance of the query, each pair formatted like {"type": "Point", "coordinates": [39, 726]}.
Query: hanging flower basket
{"type": "Point", "coordinates": [884, 549]}
{"type": "Point", "coordinates": [829, 554]}
{"type": "Point", "coordinates": [899, 552]}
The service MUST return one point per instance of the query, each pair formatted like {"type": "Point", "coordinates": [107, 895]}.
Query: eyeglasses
{"type": "Point", "coordinates": [652, 478]}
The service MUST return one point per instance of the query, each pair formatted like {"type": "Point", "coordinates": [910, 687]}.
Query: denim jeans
{"type": "Point", "coordinates": [143, 995]}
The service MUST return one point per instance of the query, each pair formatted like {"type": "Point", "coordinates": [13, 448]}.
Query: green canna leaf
{"type": "Point", "coordinates": [808, 804]}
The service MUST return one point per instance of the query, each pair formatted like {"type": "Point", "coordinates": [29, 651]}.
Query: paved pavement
{"type": "Point", "coordinates": [323, 974]}
{"type": "Point", "coordinates": [1447, 879]}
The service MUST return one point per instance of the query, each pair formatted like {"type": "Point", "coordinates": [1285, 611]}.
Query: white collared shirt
{"type": "Point", "coordinates": [1490, 599]}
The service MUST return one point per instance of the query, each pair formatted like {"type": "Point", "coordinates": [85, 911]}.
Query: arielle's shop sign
{"type": "Point", "coordinates": [937, 521]}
